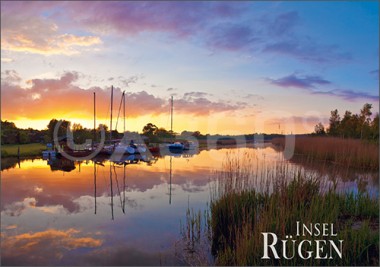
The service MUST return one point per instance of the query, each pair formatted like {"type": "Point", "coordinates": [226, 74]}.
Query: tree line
{"type": "Point", "coordinates": [356, 126]}
{"type": "Point", "coordinates": [10, 134]}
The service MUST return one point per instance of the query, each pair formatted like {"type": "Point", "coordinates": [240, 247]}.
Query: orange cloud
{"type": "Point", "coordinates": [49, 96]}
{"type": "Point", "coordinates": [46, 98]}
{"type": "Point", "coordinates": [61, 44]}
{"type": "Point", "coordinates": [44, 247]}
{"type": "Point", "coordinates": [62, 99]}
{"type": "Point", "coordinates": [26, 33]}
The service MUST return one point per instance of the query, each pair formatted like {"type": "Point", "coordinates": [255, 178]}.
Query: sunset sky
{"type": "Point", "coordinates": [232, 68]}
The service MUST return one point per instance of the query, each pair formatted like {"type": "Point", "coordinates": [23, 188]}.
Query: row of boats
{"type": "Point", "coordinates": [119, 147]}
{"type": "Point", "coordinates": [133, 148]}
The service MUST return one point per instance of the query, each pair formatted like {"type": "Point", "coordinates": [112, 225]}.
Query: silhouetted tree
{"type": "Point", "coordinates": [375, 127]}
{"type": "Point", "coordinates": [197, 134]}
{"type": "Point", "coordinates": [319, 129]}
{"type": "Point", "coordinates": [333, 129]}
{"type": "Point", "coordinates": [62, 130]}
{"type": "Point", "coordinates": [81, 134]}
{"type": "Point", "coordinates": [8, 132]}
{"type": "Point", "coordinates": [163, 133]}
{"type": "Point", "coordinates": [365, 118]}
{"type": "Point", "coordinates": [150, 130]}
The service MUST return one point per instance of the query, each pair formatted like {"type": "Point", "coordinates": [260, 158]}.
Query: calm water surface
{"type": "Point", "coordinates": [102, 213]}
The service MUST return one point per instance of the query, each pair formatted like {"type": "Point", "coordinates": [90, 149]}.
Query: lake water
{"type": "Point", "coordinates": [102, 213]}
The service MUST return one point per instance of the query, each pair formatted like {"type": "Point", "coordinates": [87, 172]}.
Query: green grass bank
{"type": "Point", "coordinates": [26, 150]}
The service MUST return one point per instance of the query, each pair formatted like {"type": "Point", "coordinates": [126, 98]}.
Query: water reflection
{"type": "Point", "coordinates": [114, 174]}
{"type": "Point", "coordinates": [100, 212]}
{"type": "Point", "coordinates": [63, 164]}
{"type": "Point", "coordinates": [10, 163]}
{"type": "Point", "coordinates": [345, 178]}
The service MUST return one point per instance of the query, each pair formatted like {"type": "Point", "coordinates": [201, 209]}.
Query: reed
{"type": "Point", "coordinates": [194, 247]}
{"type": "Point", "coordinates": [350, 153]}
{"type": "Point", "coordinates": [249, 198]}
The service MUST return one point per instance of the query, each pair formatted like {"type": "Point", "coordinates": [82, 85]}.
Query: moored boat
{"type": "Point", "coordinates": [154, 149]}
{"type": "Point", "coordinates": [176, 146]}
{"type": "Point", "coordinates": [49, 152]}
{"type": "Point", "coordinates": [189, 145]}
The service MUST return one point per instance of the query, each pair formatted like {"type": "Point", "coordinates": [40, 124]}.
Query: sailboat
{"type": "Point", "coordinates": [123, 148]}
{"type": "Point", "coordinates": [112, 147]}
{"type": "Point", "coordinates": [80, 152]}
{"type": "Point", "coordinates": [132, 147]}
{"type": "Point", "coordinates": [108, 149]}
{"type": "Point", "coordinates": [174, 146]}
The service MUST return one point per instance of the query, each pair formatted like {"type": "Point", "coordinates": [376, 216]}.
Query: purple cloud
{"type": "Point", "coordinates": [127, 18]}
{"type": "Point", "coordinates": [199, 106]}
{"type": "Point", "coordinates": [308, 50]}
{"type": "Point", "coordinates": [309, 83]}
{"type": "Point", "coordinates": [348, 95]}
{"type": "Point", "coordinates": [126, 81]}
{"type": "Point", "coordinates": [214, 22]}
{"type": "Point", "coordinates": [305, 82]}
{"type": "Point", "coordinates": [226, 10]}
{"type": "Point", "coordinates": [234, 37]}
{"type": "Point", "coordinates": [10, 77]}
{"type": "Point", "coordinates": [230, 37]}
{"type": "Point", "coordinates": [283, 23]}
{"type": "Point", "coordinates": [194, 94]}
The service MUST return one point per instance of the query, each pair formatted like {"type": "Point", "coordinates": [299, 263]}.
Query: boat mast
{"type": "Point", "coordinates": [124, 109]}
{"type": "Point", "coordinates": [111, 113]}
{"type": "Point", "coordinates": [93, 143]}
{"type": "Point", "coordinates": [170, 182]}
{"type": "Point", "coordinates": [95, 184]}
{"type": "Point", "coordinates": [111, 192]}
{"type": "Point", "coordinates": [171, 116]}
{"type": "Point", "coordinates": [123, 206]}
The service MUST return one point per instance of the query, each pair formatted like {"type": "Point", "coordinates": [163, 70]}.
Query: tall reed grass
{"type": "Point", "coordinates": [194, 248]}
{"type": "Point", "coordinates": [351, 153]}
{"type": "Point", "coordinates": [249, 198]}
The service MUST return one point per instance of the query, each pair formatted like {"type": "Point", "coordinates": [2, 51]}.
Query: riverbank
{"type": "Point", "coordinates": [252, 205]}
{"type": "Point", "coordinates": [349, 153]}
{"type": "Point", "coordinates": [22, 150]}
{"type": "Point", "coordinates": [242, 222]}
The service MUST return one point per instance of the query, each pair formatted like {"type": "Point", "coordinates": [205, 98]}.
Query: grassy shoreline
{"type": "Point", "coordinates": [26, 150]}
{"type": "Point", "coordinates": [250, 197]}
{"type": "Point", "coordinates": [350, 153]}
{"type": "Point", "coordinates": [247, 202]}
{"type": "Point", "coordinates": [239, 219]}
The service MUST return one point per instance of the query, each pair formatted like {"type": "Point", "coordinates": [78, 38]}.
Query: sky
{"type": "Point", "coordinates": [231, 67]}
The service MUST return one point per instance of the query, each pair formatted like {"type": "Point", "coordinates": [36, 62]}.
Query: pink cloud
{"type": "Point", "coordinates": [124, 17]}
{"type": "Point", "coordinates": [203, 106]}
{"type": "Point", "coordinates": [303, 82]}
{"type": "Point", "coordinates": [25, 31]}
{"type": "Point", "coordinates": [43, 248]}
{"type": "Point", "coordinates": [106, 17]}
{"type": "Point", "coordinates": [60, 96]}
{"type": "Point", "coordinates": [48, 98]}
